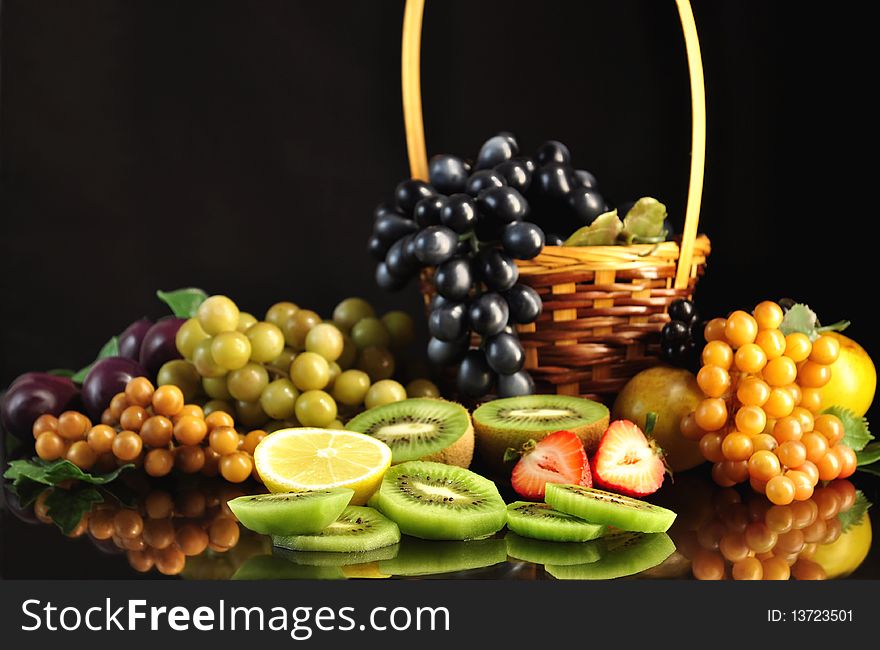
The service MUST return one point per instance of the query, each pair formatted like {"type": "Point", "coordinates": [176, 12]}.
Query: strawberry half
{"type": "Point", "coordinates": [627, 462]}
{"type": "Point", "coordinates": [557, 458]}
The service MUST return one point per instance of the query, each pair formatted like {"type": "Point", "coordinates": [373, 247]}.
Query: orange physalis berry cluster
{"type": "Point", "coordinates": [760, 420]}
{"type": "Point", "coordinates": [153, 428]}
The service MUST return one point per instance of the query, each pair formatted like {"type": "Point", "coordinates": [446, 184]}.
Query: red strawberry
{"type": "Point", "coordinates": [627, 462]}
{"type": "Point", "coordinates": [557, 458]}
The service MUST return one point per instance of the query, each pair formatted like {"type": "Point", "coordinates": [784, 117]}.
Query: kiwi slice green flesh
{"type": "Point", "coordinates": [329, 558]}
{"type": "Point", "coordinates": [609, 509]}
{"type": "Point", "coordinates": [437, 501]}
{"type": "Point", "coordinates": [414, 428]}
{"type": "Point", "coordinates": [541, 521]}
{"type": "Point", "coordinates": [291, 513]}
{"type": "Point", "coordinates": [538, 551]}
{"type": "Point", "coordinates": [270, 567]}
{"type": "Point", "coordinates": [358, 529]}
{"type": "Point", "coordinates": [627, 554]}
{"type": "Point", "coordinates": [513, 421]}
{"type": "Point", "coordinates": [420, 558]}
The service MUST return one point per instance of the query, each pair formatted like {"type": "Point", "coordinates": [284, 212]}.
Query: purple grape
{"type": "Point", "coordinates": [159, 344]}
{"type": "Point", "coordinates": [130, 340]}
{"type": "Point", "coordinates": [106, 378]}
{"type": "Point", "coordinates": [30, 396]}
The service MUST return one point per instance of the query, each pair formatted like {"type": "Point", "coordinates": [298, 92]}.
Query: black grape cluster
{"type": "Point", "coordinates": [681, 339]}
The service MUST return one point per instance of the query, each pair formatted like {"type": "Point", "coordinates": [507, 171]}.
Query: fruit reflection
{"type": "Point", "coordinates": [182, 528]}
{"type": "Point", "coordinates": [741, 535]}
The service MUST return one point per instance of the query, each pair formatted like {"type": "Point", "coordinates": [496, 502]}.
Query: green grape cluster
{"type": "Point", "coordinates": [292, 368]}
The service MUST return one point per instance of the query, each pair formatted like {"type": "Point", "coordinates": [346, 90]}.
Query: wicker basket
{"type": "Point", "coordinates": [604, 306]}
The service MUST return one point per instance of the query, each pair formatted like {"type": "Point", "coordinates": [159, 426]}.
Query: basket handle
{"type": "Point", "coordinates": [415, 126]}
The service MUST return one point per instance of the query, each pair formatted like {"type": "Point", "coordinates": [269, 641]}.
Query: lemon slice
{"type": "Point", "coordinates": [293, 460]}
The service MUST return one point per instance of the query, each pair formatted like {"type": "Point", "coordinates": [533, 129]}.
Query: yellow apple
{"type": "Point", "coordinates": [853, 378]}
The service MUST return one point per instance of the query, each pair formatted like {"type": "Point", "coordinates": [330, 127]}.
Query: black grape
{"type": "Point", "coordinates": [502, 204]}
{"type": "Point", "coordinates": [409, 192]}
{"type": "Point", "coordinates": [388, 281]}
{"type": "Point", "coordinates": [475, 377]}
{"type": "Point", "coordinates": [447, 353]}
{"type": "Point", "coordinates": [391, 227]}
{"type": "Point", "coordinates": [522, 240]}
{"type": "Point", "coordinates": [434, 245]}
{"type": "Point", "coordinates": [553, 180]}
{"type": "Point", "coordinates": [552, 239]}
{"type": "Point", "coordinates": [496, 150]}
{"type": "Point", "coordinates": [505, 354]}
{"type": "Point", "coordinates": [520, 383]}
{"type": "Point", "coordinates": [553, 151]}
{"type": "Point", "coordinates": [377, 248]}
{"type": "Point", "coordinates": [383, 210]}
{"type": "Point", "coordinates": [427, 211]}
{"type": "Point", "coordinates": [488, 314]}
{"type": "Point", "coordinates": [675, 331]}
{"type": "Point", "coordinates": [459, 213]}
{"type": "Point", "coordinates": [497, 270]}
{"type": "Point", "coordinates": [516, 173]}
{"type": "Point", "coordinates": [587, 204]}
{"type": "Point", "coordinates": [400, 260]}
{"type": "Point", "coordinates": [682, 310]}
{"type": "Point", "coordinates": [524, 304]}
{"type": "Point", "coordinates": [449, 322]}
{"type": "Point", "coordinates": [454, 278]}
{"type": "Point", "coordinates": [448, 174]}
{"type": "Point", "coordinates": [483, 180]}
{"type": "Point", "coordinates": [583, 178]}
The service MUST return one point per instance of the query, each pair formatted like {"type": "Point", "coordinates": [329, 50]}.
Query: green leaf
{"type": "Point", "coordinates": [650, 422]}
{"type": "Point", "coordinates": [60, 372]}
{"type": "Point", "coordinates": [28, 491]}
{"type": "Point", "coordinates": [602, 232]}
{"type": "Point", "coordinates": [109, 349]}
{"type": "Point", "coordinates": [854, 515]}
{"type": "Point", "coordinates": [183, 302]}
{"type": "Point", "coordinates": [800, 318]}
{"type": "Point", "coordinates": [873, 470]}
{"type": "Point", "coordinates": [57, 472]}
{"type": "Point", "coordinates": [870, 454]}
{"type": "Point", "coordinates": [67, 507]}
{"type": "Point", "coordinates": [857, 434]}
{"type": "Point", "coordinates": [644, 221]}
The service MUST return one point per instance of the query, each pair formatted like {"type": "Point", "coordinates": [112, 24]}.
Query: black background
{"type": "Point", "coordinates": [241, 147]}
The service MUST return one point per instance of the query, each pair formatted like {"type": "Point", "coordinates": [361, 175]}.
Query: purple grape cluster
{"type": "Point", "coordinates": [468, 224]}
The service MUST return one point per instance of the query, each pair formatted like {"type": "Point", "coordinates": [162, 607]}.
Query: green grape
{"type": "Point", "coordinates": [369, 332]}
{"type": "Point", "coordinates": [182, 374]}
{"type": "Point", "coordinates": [267, 342]}
{"type": "Point", "coordinates": [204, 362]}
{"type": "Point", "coordinates": [422, 388]}
{"type": "Point", "coordinates": [215, 388]}
{"type": "Point", "coordinates": [298, 326]}
{"type": "Point", "coordinates": [278, 399]}
{"type": "Point", "coordinates": [336, 424]}
{"type": "Point", "coordinates": [231, 350]}
{"type": "Point", "coordinates": [218, 314]}
{"type": "Point", "coordinates": [246, 383]}
{"type": "Point", "coordinates": [188, 337]}
{"type": "Point", "coordinates": [278, 313]}
{"type": "Point", "coordinates": [378, 363]}
{"type": "Point", "coordinates": [325, 339]}
{"type": "Point", "coordinates": [218, 405]}
{"type": "Point", "coordinates": [350, 311]}
{"type": "Point", "coordinates": [310, 371]}
{"type": "Point", "coordinates": [351, 387]}
{"type": "Point", "coordinates": [349, 353]}
{"type": "Point", "coordinates": [245, 320]}
{"type": "Point", "coordinates": [401, 328]}
{"type": "Point", "coordinates": [277, 425]}
{"type": "Point", "coordinates": [250, 414]}
{"type": "Point", "coordinates": [315, 408]}
{"type": "Point", "coordinates": [282, 362]}
{"type": "Point", "coordinates": [384, 392]}
{"type": "Point", "coordinates": [335, 371]}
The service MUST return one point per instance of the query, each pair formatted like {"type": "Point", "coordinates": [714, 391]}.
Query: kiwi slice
{"type": "Point", "coordinates": [559, 553]}
{"type": "Point", "coordinates": [270, 567]}
{"type": "Point", "coordinates": [600, 507]}
{"type": "Point", "coordinates": [511, 422]}
{"type": "Point", "coordinates": [357, 530]}
{"type": "Point", "coordinates": [626, 554]}
{"type": "Point", "coordinates": [421, 428]}
{"type": "Point", "coordinates": [420, 558]}
{"type": "Point", "coordinates": [541, 521]}
{"type": "Point", "coordinates": [330, 558]}
{"type": "Point", "coordinates": [437, 501]}
{"type": "Point", "coordinates": [291, 513]}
